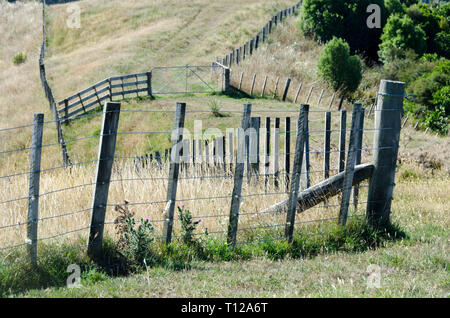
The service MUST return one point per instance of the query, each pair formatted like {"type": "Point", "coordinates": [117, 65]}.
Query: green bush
{"type": "Point", "coordinates": [441, 44]}
{"type": "Point", "coordinates": [188, 225]}
{"type": "Point", "coordinates": [441, 98]}
{"type": "Point", "coordinates": [400, 34]}
{"type": "Point", "coordinates": [336, 66]}
{"type": "Point", "coordinates": [19, 58]}
{"type": "Point", "coordinates": [426, 85]}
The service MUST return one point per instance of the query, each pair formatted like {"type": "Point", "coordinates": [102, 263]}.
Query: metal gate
{"type": "Point", "coordinates": [188, 79]}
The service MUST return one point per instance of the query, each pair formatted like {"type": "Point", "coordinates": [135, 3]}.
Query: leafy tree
{"type": "Point", "coordinates": [394, 6]}
{"type": "Point", "coordinates": [346, 19]}
{"type": "Point", "coordinates": [428, 20]}
{"type": "Point", "coordinates": [400, 34]}
{"type": "Point", "coordinates": [338, 67]}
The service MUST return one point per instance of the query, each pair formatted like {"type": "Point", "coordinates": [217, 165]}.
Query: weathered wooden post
{"type": "Point", "coordinates": [33, 185]}
{"type": "Point", "coordinates": [286, 88]}
{"type": "Point", "coordinates": [253, 84]}
{"type": "Point", "coordinates": [358, 112]}
{"type": "Point", "coordinates": [298, 92]}
{"type": "Point", "coordinates": [149, 84]}
{"type": "Point", "coordinates": [297, 167]}
{"type": "Point", "coordinates": [66, 112]}
{"type": "Point", "coordinates": [227, 80]}
{"type": "Point", "coordinates": [342, 135]}
{"type": "Point", "coordinates": [107, 146]}
{"type": "Point", "coordinates": [264, 86]}
{"type": "Point", "coordinates": [287, 152]}
{"type": "Point", "coordinates": [177, 146]}
{"type": "Point", "coordinates": [267, 153]}
{"type": "Point", "coordinates": [276, 153]}
{"type": "Point", "coordinates": [238, 176]}
{"type": "Point", "coordinates": [388, 114]}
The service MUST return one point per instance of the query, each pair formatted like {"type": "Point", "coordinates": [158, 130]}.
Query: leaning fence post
{"type": "Point", "coordinates": [297, 167]}
{"type": "Point", "coordinates": [388, 114]}
{"type": "Point", "coordinates": [253, 84]}
{"type": "Point", "coordinates": [351, 161]}
{"type": "Point", "coordinates": [107, 146]}
{"type": "Point", "coordinates": [286, 88]}
{"type": "Point", "coordinates": [177, 146]}
{"type": "Point", "coordinates": [264, 86]}
{"type": "Point", "coordinates": [238, 176]}
{"type": "Point", "coordinates": [298, 92]}
{"type": "Point", "coordinates": [33, 197]}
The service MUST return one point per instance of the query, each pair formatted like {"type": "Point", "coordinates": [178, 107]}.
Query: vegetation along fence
{"type": "Point", "coordinates": [255, 184]}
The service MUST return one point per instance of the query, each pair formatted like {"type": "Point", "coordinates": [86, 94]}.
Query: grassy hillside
{"type": "Point", "coordinates": [120, 37]}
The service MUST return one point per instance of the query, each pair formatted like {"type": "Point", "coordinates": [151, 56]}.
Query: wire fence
{"type": "Point", "coordinates": [260, 159]}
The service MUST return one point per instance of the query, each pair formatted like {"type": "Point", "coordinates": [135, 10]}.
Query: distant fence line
{"type": "Point", "coordinates": [239, 54]}
{"type": "Point", "coordinates": [49, 93]}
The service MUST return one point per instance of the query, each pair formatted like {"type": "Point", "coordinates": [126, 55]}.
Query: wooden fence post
{"type": "Point", "coordinates": [298, 92]}
{"type": "Point", "coordinates": [286, 88]}
{"type": "Point", "coordinates": [276, 87]}
{"type": "Point", "coordinates": [238, 176]}
{"type": "Point", "coordinates": [276, 153]}
{"type": "Point", "coordinates": [66, 112]}
{"type": "Point", "coordinates": [227, 80]}
{"type": "Point", "coordinates": [177, 145]}
{"type": "Point", "coordinates": [326, 146]}
{"type": "Point", "coordinates": [264, 86]}
{"type": "Point", "coordinates": [267, 153]}
{"type": "Point", "coordinates": [107, 146]}
{"type": "Point", "coordinates": [343, 127]}
{"type": "Point", "coordinates": [251, 46]}
{"type": "Point", "coordinates": [149, 84]}
{"type": "Point", "coordinates": [253, 85]}
{"type": "Point", "coordinates": [305, 179]}
{"type": "Point", "coordinates": [309, 94]}
{"type": "Point", "coordinates": [255, 125]}
{"type": "Point", "coordinates": [388, 114]}
{"type": "Point", "coordinates": [351, 161]}
{"type": "Point", "coordinates": [358, 157]}
{"type": "Point", "coordinates": [230, 150]}
{"type": "Point", "coordinates": [287, 152]}
{"type": "Point", "coordinates": [297, 167]}
{"type": "Point", "coordinates": [33, 185]}
{"type": "Point", "coordinates": [240, 81]}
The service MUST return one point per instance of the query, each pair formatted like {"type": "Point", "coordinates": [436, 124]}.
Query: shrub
{"type": "Point", "coordinates": [441, 44]}
{"type": "Point", "coordinates": [338, 68]}
{"type": "Point", "coordinates": [134, 241]}
{"type": "Point", "coordinates": [188, 226]}
{"type": "Point", "coordinates": [400, 34]}
{"type": "Point", "coordinates": [426, 85]}
{"type": "Point", "coordinates": [441, 98]}
{"type": "Point", "coordinates": [19, 58]}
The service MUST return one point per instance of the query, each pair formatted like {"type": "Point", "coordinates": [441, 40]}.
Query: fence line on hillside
{"type": "Point", "coordinates": [240, 53]}
{"type": "Point", "coordinates": [248, 218]}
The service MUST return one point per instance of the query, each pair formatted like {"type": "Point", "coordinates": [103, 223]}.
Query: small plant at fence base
{"type": "Point", "coordinates": [188, 226]}
{"type": "Point", "coordinates": [135, 242]}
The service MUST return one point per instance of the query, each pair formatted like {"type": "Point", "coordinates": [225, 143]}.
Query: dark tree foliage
{"type": "Point", "coordinates": [346, 19]}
